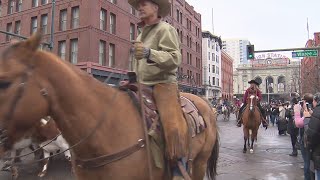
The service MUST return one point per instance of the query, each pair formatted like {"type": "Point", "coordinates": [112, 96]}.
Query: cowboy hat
{"type": "Point", "coordinates": [254, 82]}
{"type": "Point", "coordinates": [164, 6]}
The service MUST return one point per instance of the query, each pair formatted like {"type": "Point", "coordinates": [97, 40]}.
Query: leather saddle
{"type": "Point", "coordinates": [192, 115]}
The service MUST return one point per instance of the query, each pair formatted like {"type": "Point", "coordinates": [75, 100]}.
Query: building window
{"type": "Point", "coordinates": [63, 20]}
{"type": "Point", "coordinates": [178, 15]}
{"type": "Point", "coordinates": [213, 81]}
{"type": "Point", "coordinates": [213, 57]}
{"type": "Point", "coordinates": [9, 29]}
{"type": "Point", "coordinates": [102, 53]}
{"type": "Point", "coordinates": [34, 24]}
{"type": "Point", "coordinates": [132, 10]}
{"type": "Point", "coordinates": [18, 5]}
{"type": "Point", "coordinates": [218, 82]}
{"type": "Point", "coordinates": [0, 8]}
{"type": "Point", "coordinates": [112, 23]}
{"type": "Point", "coordinates": [74, 51]}
{"type": "Point", "coordinates": [17, 27]}
{"type": "Point", "coordinates": [111, 55]}
{"type": "Point", "coordinates": [209, 67]}
{"type": "Point", "coordinates": [132, 31]}
{"type": "Point", "coordinates": [190, 59]}
{"type": "Point", "coordinates": [35, 3]}
{"type": "Point", "coordinates": [181, 17]}
{"type": "Point", "coordinates": [10, 6]}
{"type": "Point", "coordinates": [103, 19]}
{"type": "Point", "coordinates": [213, 68]}
{"type": "Point", "coordinates": [75, 17]}
{"type": "Point", "coordinates": [217, 70]}
{"type": "Point", "coordinates": [62, 49]}
{"type": "Point", "coordinates": [209, 55]}
{"type": "Point", "coordinates": [43, 2]}
{"type": "Point", "coordinates": [44, 23]}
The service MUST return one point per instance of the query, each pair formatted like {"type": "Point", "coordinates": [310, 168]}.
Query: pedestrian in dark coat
{"type": "Point", "coordinates": [282, 122]}
{"type": "Point", "coordinates": [292, 129]}
{"type": "Point", "coordinates": [313, 134]}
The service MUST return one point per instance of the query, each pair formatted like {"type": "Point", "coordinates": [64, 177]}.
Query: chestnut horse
{"type": "Point", "coordinates": [251, 119]}
{"type": "Point", "coordinates": [96, 120]}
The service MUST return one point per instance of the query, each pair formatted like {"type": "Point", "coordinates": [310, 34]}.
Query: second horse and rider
{"type": "Point", "coordinates": [252, 90]}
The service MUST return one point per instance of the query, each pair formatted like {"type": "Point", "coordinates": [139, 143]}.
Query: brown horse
{"type": "Point", "coordinates": [99, 119]}
{"type": "Point", "coordinates": [251, 119]}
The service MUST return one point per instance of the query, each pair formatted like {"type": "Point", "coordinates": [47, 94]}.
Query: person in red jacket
{"type": "Point", "coordinates": [253, 88]}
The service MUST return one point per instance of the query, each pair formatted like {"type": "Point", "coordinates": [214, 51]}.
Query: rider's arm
{"type": "Point", "coordinates": [245, 96]}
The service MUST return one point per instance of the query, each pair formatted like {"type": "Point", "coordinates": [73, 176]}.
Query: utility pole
{"type": "Point", "coordinates": [52, 24]}
{"type": "Point", "coordinates": [268, 90]}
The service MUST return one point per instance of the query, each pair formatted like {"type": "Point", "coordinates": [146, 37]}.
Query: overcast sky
{"type": "Point", "coordinates": [268, 24]}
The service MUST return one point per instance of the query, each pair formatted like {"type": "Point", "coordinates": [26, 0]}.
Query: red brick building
{"type": "Point", "coordinates": [96, 35]}
{"type": "Point", "coordinates": [310, 68]}
{"type": "Point", "coordinates": [227, 76]}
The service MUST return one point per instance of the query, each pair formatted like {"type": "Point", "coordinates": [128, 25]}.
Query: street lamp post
{"type": "Point", "coordinates": [268, 91]}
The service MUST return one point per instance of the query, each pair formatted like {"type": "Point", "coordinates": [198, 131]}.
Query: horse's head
{"type": "Point", "coordinates": [252, 101]}
{"type": "Point", "coordinates": [23, 100]}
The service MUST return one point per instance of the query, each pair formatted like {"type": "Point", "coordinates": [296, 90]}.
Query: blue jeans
{"type": "Point", "coordinates": [317, 174]}
{"type": "Point", "coordinates": [306, 155]}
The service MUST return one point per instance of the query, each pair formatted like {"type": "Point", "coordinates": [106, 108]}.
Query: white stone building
{"type": "Point", "coordinates": [211, 64]}
{"type": "Point", "coordinates": [237, 49]}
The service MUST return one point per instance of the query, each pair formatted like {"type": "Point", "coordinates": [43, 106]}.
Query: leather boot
{"type": "Point", "coordinates": [239, 123]}
{"type": "Point", "coordinates": [175, 128]}
{"type": "Point", "coordinates": [294, 152]}
{"type": "Point", "coordinates": [264, 123]}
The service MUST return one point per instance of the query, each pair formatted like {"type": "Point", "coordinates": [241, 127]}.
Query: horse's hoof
{"type": "Point", "coordinates": [244, 151]}
{"type": "Point", "coordinates": [42, 174]}
{"type": "Point", "coordinates": [251, 151]}
{"type": "Point", "coordinates": [14, 173]}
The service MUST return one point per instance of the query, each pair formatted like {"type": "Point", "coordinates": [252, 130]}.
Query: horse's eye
{"type": "Point", "coordinates": [4, 84]}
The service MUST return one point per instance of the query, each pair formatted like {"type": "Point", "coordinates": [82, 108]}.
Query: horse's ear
{"type": "Point", "coordinates": [34, 41]}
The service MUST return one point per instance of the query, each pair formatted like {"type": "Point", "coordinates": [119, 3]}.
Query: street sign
{"type": "Point", "coordinates": [306, 53]}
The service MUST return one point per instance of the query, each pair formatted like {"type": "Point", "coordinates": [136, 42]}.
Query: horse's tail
{"type": "Point", "coordinates": [213, 159]}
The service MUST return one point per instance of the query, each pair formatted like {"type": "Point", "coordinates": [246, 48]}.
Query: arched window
{"type": "Point", "coordinates": [281, 84]}
{"type": "Point", "coordinates": [269, 84]}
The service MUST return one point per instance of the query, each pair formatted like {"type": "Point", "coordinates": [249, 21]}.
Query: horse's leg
{"type": "Point", "coordinates": [253, 138]}
{"type": "Point", "coordinates": [245, 132]}
{"type": "Point", "coordinates": [45, 164]}
{"type": "Point", "coordinates": [14, 168]}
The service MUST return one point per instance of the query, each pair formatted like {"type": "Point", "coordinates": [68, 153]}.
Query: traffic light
{"type": "Point", "coordinates": [250, 51]}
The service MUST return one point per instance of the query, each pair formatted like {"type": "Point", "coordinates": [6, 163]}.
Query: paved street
{"type": "Point", "coordinates": [270, 160]}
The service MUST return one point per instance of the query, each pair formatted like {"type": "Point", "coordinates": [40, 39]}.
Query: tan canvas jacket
{"type": "Point", "coordinates": [165, 56]}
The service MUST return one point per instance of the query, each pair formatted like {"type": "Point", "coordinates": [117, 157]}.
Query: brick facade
{"type": "Point", "coordinates": [227, 76]}
{"type": "Point", "coordinates": [91, 31]}
{"type": "Point", "coordinates": [310, 68]}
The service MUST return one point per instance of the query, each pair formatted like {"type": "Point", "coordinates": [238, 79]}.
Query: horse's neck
{"type": "Point", "coordinates": [79, 102]}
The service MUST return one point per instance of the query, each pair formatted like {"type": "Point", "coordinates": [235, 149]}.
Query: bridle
{"type": "Point", "coordinates": [8, 116]}
{"type": "Point", "coordinates": [82, 163]}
